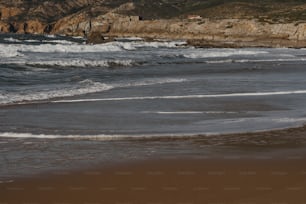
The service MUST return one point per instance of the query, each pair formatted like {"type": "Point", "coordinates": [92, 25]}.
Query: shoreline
{"type": "Point", "coordinates": [298, 130]}
{"type": "Point", "coordinates": [269, 167]}
{"type": "Point", "coordinates": [276, 142]}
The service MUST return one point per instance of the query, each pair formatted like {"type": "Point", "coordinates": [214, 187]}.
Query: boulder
{"type": "Point", "coordinates": [34, 27]}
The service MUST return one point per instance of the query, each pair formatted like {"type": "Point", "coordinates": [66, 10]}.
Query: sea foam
{"type": "Point", "coordinates": [214, 53]}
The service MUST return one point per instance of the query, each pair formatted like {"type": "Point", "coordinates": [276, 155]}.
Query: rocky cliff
{"type": "Point", "coordinates": [269, 23]}
{"type": "Point", "coordinates": [217, 33]}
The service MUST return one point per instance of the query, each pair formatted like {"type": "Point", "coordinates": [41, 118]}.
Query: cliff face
{"type": "Point", "coordinates": [226, 32]}
{"type": "Point", "coordinates": [270, 23]}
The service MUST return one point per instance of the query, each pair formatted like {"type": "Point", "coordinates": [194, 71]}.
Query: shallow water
{"type": "Point", "coordinates": [58, 89]}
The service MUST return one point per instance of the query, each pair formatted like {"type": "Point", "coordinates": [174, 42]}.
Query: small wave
{"type": "Point", "coordinates": [191, 112]}
{"type": "Point", "coordinates": [254, 60]}
{"type": "Point", "coordinates": [7, 181]}
{"type": "Point", "coordinates": [102, 137]}
{"type": "Point", "coordinates": [50, 36]}
{"type": "Point", "coordinates": [82, 63]}
{"type": "Point", "coordinates": [134, 45]}
{"type": "Point", "coordinates": [85, 88]}
{"type": "Point", "coordinates": [78, 37]}
{"type": "Point", "coordinates": [72, 47]}
{"type": "Point", "coordinates": [148, 82]}
{"type": "Point", "coordinates": [185, 97]}
{"type": "Point", "coordinates": [11, 40]}
{"type": "Point", "coordinates": [57, 48]}
{"type": "Point", "coordinates": [62, 42]}
{"type": "Point", "coordinates": [209, 53]}
{"type": "Point", "coordinates": [289, 120]}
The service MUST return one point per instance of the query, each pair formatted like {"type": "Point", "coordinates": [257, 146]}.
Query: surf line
{"type": "Point", "coordinates": [183, 97]}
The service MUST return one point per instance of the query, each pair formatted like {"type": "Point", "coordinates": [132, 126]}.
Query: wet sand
{"type": "Point", "coordinates": [224, 179]}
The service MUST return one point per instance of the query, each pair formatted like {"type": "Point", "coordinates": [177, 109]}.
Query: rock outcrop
{"type": "Point", "coordinates": [223, 33]}
{"type": "Point", "coordinates": [6, 28]}
{"type": "Point", "coordinates": [8, 12]}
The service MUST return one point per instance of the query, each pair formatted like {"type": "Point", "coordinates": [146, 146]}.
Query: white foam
{"type": "Point", "coordinates": [7, 181]}
{"type": "Point", "coordinates": [185, 96]}
{"type": "Point", "coordinates": [80, 63]}
{"type": "Point", "coordinates": [78, 37]}
{"type": "Point", "coordinates": [50, 36]}
{"type": "Point", "coordinates": [103, 137]}
{"type": "Point", "coordinates": [8, 53]}
{"type": "Point", "coordinates": [148, 82]}
{"type": "Point", "coordinates": [11, 40]}
{"type": "Point", "coordinates": [296, 59]}
{"type": "Point", "coordinates": [63, 42]}
{"type": "Point", "coordinates": [58, 48]}
{"type": "Point", "coordinates": [214, 53]}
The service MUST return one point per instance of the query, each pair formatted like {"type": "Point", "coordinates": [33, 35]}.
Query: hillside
{"type": "Point", "coordinates": [52, 10]}
{"type": "Point", "coordinates": [280, 22]}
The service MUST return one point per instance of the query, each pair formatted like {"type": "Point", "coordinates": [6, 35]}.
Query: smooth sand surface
{"type": "Point", "coordinates": [170, 181]}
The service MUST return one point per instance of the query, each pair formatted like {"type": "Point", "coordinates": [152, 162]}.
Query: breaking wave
{"type": "Point", "coordinates": [8, 53]}
{"type": "Point", "coordinates": [72, 47]}
{"type": "Point", "coordinates": [214, 53]}
{"type": "Point", "coordinates": [83, 87]}
{"type": "Point", "coordinates": [82, 63]}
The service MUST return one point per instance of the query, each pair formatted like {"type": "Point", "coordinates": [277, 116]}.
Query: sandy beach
{"type": "Point", "coordinates": [172, 181]}
{"type": "Point", "coordinates": [280, 178]}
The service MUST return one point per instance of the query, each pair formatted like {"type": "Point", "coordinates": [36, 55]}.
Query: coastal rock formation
{"type": "Point", "coordinates": [6, 27]}
{"type": "Point", "coordinates": [225, 32]}
{"type": "Point", "coordinates": [74, 25]}
{"type": "Point", "coordinates": [34, 27]}
{"type": "Point", "coordinates": [266, 24]}
{"type": "Point", "coordinates": [8, 12]}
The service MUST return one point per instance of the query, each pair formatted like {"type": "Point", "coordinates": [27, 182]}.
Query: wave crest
{"type": "Point", "coordinates": [83, 63]}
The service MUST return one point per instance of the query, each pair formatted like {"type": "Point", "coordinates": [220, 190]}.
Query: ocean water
{"type": "Point", "coordinates": [65, 103]}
